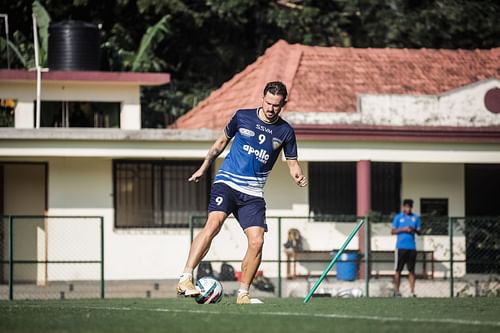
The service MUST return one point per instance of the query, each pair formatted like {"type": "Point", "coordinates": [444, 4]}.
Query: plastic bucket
{"type": "Point", "coordinates": [347, 266]}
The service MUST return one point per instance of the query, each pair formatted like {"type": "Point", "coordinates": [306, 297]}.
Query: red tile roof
{"type": "Point", "coordinates": [327, 79]}
{"type": "Point", "coordinates": [143, 79]}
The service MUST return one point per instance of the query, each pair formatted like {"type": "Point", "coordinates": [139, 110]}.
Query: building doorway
{"type": "Point", "coordinates": [482, 198]}
{"type": "Point", "coordinates": [23, 191]}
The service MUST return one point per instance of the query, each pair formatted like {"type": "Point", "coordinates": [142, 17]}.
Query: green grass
{"type": "Point", "coordinates": [276, 315]}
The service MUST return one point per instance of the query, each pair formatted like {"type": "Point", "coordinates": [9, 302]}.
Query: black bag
{"type": "Point", "coordinates": [263, 283]}
{"type": "Point", "coordinates": [204, 269]}
{"type": "Point", "coordinates": [227, 272]}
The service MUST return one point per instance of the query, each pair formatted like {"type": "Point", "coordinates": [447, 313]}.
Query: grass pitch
{"type": "Point", "coordinates": [276, 315]}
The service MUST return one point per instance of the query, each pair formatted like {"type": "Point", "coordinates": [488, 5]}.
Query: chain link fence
{"type": "Point", "coordinates": [52, 257]}
{"type": "Point", "coordinates": [476, 256]}
{"type": "Point", "coordinates": [455, 256]}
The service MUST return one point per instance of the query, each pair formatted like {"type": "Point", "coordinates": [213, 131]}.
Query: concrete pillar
{"type": "Point", "coordinates": [363, 202]}
{"type": "Point", "coordinates": [24, 116]}
{"type": "Point", "coordinates": [130, 116]}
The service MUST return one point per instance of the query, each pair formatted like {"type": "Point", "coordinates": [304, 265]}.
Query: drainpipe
{"type": "Point", "coordinates": [38, 72]}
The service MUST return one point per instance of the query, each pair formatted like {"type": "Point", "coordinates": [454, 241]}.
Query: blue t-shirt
{"type": "Point", "coordinates": [255, 149]}
{"type": "Point", "coordinates": [406, 240]}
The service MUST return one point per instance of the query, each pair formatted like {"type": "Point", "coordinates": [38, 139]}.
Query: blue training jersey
{"type": "Point", "coordinates": [406, 240]}
{"type": "Point", "coordinates": [255, 149]}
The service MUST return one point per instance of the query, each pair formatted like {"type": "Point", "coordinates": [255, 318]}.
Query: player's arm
{"type": "Point", "coordinates": [217, 148]}
{"type": "Point", "coordinates": [395, 227]}
{"type": "Point", "coordinates": [418, 227]}
{"type": "Point", "coordinates": [296, 173]}
{"type": "Point", "coordinates": [395, 231]}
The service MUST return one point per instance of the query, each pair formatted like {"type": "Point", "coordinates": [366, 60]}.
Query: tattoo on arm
{"type": "Point", "coordinates": [213, 153]}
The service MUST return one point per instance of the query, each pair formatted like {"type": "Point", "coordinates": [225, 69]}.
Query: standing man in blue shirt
{"type": "Point", "coordinates": [405, 225]}
{"type": "Point", "coordinates": [259, 136]}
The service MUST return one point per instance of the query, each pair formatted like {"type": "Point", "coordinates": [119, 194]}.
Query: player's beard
{"type": "Point", "coordinates": [271, 115]}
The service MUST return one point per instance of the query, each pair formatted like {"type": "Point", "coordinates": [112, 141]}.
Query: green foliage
{"type": "Point", "coordinates": [19, 56]}
{"type": "Point", "coordinates": [43, 22]}
{"type": "Point", "coordinates": [144, 58]}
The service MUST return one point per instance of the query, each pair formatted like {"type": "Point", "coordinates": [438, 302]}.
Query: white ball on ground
{"type": "Point", "coordinates": [356, 292]}
{"type": "Point", "coordinates": [211, 291]}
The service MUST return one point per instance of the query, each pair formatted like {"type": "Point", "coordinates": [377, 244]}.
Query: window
{"type": "Point", "coordinates": [80, 114]}
{"type": "Point", "coordinates": [434, 215]}
{"type": "Point", "coordinates": [332, 188]}
{"type": "Point", "coordinates": [7, 109]}
{"type": "Point", "coordinates": [157, 193]}
{"type": "Point", "coordinates": [385, 189]}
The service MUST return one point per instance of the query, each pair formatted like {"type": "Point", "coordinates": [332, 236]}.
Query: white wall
{"type": "Point", "coordinates": [83, 186]}
{"type": "Point", "coordinates": [282, 195]}
{"type": "Point", "coordinates": [429, 180]}
{"type": "Point", "coordinates": [459, 107]}
{"type": "Point", "coordinates": [25, 94]}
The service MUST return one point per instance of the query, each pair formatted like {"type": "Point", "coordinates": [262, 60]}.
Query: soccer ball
{"type": "Point", "coordinates": [210, 289]}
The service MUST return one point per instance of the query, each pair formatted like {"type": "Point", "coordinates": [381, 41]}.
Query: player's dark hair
{"type": "Point", "coordinates": [276, 88]}
{"type": "Point", "coordinates": [408, 202]}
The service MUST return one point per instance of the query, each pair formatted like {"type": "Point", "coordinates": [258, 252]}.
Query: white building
{"type": "Point", "coordinates": [373, 127]}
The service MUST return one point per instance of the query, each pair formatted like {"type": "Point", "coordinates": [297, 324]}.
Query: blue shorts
{"type": "Point", "coordinates": [249, 210]}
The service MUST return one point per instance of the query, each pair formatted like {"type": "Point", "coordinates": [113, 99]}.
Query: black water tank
{"type": "Point", "coordinates": [73, 45]}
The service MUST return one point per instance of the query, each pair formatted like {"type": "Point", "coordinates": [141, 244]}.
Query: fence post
{"type": "Point", "coordinates": [191, 231]}
{"type": "Point", "coordinates": [102, 257]}
{"type": "Point", "coordinates": [367, 256]}
{"type": "Point", "coordinates": [279, 257]}
{"type": "Point", "coordinates": [11, 259]}
{"type": "Point", "coordinates": [450, 234]}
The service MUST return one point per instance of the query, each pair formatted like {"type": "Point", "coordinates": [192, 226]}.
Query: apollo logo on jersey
{"type": "Point", "coordinates": [261, 154]}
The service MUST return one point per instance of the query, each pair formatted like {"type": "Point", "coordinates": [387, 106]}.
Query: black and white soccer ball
{"type": "Point", "coordinates": [211, 291]}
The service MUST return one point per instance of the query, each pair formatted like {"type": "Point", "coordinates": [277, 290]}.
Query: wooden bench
{"type": "Point", "coordinates": [381, 263]}
{"type": "Point", "coordinates": [424, 268]}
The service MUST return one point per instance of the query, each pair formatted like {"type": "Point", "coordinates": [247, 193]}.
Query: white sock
{"type": "Point", "coordinates": [186, 276]}
{"type": "Point", "coordinates": [243, 289]}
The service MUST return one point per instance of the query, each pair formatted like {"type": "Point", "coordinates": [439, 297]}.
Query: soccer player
{"type": "Point", "coordinates": [259, 136]}
{"type": "Point", "coordinates": [405, 225]}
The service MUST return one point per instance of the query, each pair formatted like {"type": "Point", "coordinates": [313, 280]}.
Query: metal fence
{"type": "Point", "coordinates": [70, 265]}
{"type": "Point", "coordinates": [57, 257]}
{"type": "Point", "coordinates": [456, 256]}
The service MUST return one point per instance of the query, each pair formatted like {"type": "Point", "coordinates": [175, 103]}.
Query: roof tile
{"type": "Point", "coordinates": [327, 79]}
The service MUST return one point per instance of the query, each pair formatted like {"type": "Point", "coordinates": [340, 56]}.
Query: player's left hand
{"type": "Point", "coordinates": [195, 177]}
{"type": "Point", "coordinates": [300, 180]}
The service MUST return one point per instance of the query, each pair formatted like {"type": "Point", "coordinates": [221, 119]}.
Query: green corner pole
{"type": "Point", "coordinates": [334, 260]}
{"type": "Point", "coordinates": [11, 259]}
{"type": "Point", "coordinates": [450, 234]}
{"type": "Point", "coordinates": [279, 257]}
{"type": "Point", "coordinates": [367, 257]}
{"type": "Point", "coordinates": [102, 257]}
